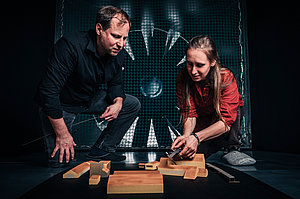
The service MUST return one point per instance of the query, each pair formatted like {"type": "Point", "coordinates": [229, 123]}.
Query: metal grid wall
{"type": "Point", "coordinates": [155, 54]}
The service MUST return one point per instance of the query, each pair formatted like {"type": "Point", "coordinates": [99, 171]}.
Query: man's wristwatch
{"type": "Point", "coordinates": [196, 136]}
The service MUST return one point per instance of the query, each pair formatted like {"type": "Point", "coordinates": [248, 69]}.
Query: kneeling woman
{"type": "Point", "coordinates": [209, 101]}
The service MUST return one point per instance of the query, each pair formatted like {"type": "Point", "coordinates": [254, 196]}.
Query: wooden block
{"type": "Point", "coordinates": [94, 179]}
{"type": "Point", "coordinates": [191, 173]}
{"type": "Point", "coordinates": [131, 182]}
{"type": "Point", "coordinates": [95, 168]}
{"type": "Point", "coordinates": [202, 172]}
{"type": "Point", "coordinates": [142, 165]}
{"type": "Point", "coordinates": [163, 162]}
{"type": "Point", "coordinates": [152, 165]}
{"type": "Point", "coordinates": [198, 161]}
{"type": "Point", "coordinates": [78, 171]}
{"type": "Point", "coordinates": [104, 172]}
{"type": "Point", "coordinates": [106, 164]}
{"type": "Point", "coordinates": [105, 169]}
{"type": "Point", "coordinates": [135, 172]}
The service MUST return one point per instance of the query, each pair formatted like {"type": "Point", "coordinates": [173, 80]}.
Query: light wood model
{"type": "Point", "coordinates": [78, 171]}
{"type": "Point", "coordinates": [131, 182]}
{"type": "Point", "coordinates": [189, 169]}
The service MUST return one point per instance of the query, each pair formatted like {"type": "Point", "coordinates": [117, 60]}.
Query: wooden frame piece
{"type": "Point", "coordinates": [79, 170]}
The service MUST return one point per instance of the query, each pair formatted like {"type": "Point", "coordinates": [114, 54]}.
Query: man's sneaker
{"type": "Point", "coordinates": [237, 158]}
{"type": "Point", "coordinates": [99, 154]}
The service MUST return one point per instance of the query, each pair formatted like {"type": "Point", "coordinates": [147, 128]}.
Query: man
{"type": "Point", "coordinates": [79, 64]}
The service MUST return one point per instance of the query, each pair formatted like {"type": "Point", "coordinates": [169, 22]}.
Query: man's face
{"type": "Point", "coordinates": [112, 40]}
{"type": "Point", "coordinates": [197, 64]}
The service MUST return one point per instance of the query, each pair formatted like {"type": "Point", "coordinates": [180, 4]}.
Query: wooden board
{"type": "Point", "coordinates": [131, 182]}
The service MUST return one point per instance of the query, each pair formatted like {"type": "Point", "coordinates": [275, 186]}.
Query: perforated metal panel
{"type": "Point", "coordinates": [155, 54]}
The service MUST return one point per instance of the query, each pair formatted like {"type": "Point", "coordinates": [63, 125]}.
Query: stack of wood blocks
{"type": "Point", "coordinates": [97, 170]}
{"type": "Point", "coordinates": [189, 169]}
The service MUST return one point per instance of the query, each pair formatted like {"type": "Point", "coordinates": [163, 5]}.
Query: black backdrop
{"type": "Point", "coordinates": [27, 35]}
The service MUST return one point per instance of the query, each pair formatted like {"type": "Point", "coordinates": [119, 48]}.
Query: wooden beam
{"type": "Point", "coordinates": [78, 171]}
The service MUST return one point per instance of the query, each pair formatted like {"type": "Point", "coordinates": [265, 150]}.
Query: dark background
{"type": "Point", "coordinates": [27, 35]}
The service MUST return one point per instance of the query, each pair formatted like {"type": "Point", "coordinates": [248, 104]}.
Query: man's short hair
{"type": "Point", "coordinates": [106, 13]}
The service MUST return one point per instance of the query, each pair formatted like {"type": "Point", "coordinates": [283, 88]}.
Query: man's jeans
{"type": "Point", "coordinates": [111, 135]}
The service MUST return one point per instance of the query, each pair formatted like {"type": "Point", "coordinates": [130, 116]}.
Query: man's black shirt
{"type": "Point", "coordinates": [75, 71]}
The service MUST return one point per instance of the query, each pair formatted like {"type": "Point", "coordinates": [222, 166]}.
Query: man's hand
{"type": "Point", "coordinates": [65, 145]}
{"type": "Point", "coordinates": [64, 140]}
{"type": "Point", "coordinates": [113, 110]}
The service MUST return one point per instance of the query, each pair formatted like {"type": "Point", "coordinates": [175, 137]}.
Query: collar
{"type": "Point", "coordinates": [92, 45]}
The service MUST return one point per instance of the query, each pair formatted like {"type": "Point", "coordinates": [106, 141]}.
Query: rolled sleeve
{"type": "Point", "coordinates": [230, 99]}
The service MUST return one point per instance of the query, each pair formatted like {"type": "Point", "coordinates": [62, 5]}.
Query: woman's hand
{"type": "Point", "coordinates": [189, 144]}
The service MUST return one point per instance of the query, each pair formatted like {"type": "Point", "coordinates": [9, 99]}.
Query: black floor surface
{"type": "Point", "coordinates": [277, 170]}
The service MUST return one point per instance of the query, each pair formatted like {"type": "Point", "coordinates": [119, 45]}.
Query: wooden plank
{"type": "Point", "coordinates": [94, 179]}
{"type": "Point", "coordinates": [78, 171]}
{"type": "Point", "coordinates": [131, 182]}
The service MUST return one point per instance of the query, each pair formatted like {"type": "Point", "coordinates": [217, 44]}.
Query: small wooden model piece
{"type": "Point", "coordinates": [94, 179]}
{"type": "Point", "coordinates": [191, 173]}
{"type": "Point", "coordinates": [142, 165]}
{"type": "Point", "coordinates": [78, 171]}
{"type": "Point", "coordinates": [189, 169]}
{"type": "Point", "coordinates": [152, 165]}
{"type": "Point", "coordinates": [132, 182]}
{"type": "Point", "coordinates": [98, 170]}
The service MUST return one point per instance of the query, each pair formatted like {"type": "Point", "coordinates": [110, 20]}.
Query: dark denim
{"type": "Point", "coordinates": [111, 135]}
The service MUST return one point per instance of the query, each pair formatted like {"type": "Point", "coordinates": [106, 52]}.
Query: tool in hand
{"type": "Point", "coordinates": [170, 156]}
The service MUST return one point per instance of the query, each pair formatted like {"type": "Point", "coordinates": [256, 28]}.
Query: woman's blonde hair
{"type": "Point", "coordinates": [206, 45]}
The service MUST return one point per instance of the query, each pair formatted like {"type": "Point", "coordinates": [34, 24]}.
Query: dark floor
{"type": "Point", "coordinates": [279, 170]}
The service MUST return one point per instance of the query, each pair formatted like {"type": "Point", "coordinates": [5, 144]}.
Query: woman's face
{"type": "Point", "coordinates": [197, 64]}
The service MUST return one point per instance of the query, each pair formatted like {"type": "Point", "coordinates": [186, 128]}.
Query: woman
{"type": "Point", "coordinates": [209, 101]}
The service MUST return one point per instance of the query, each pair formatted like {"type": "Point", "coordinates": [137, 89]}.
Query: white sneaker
{"type": "Point", "coordinates": [237, 158]}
